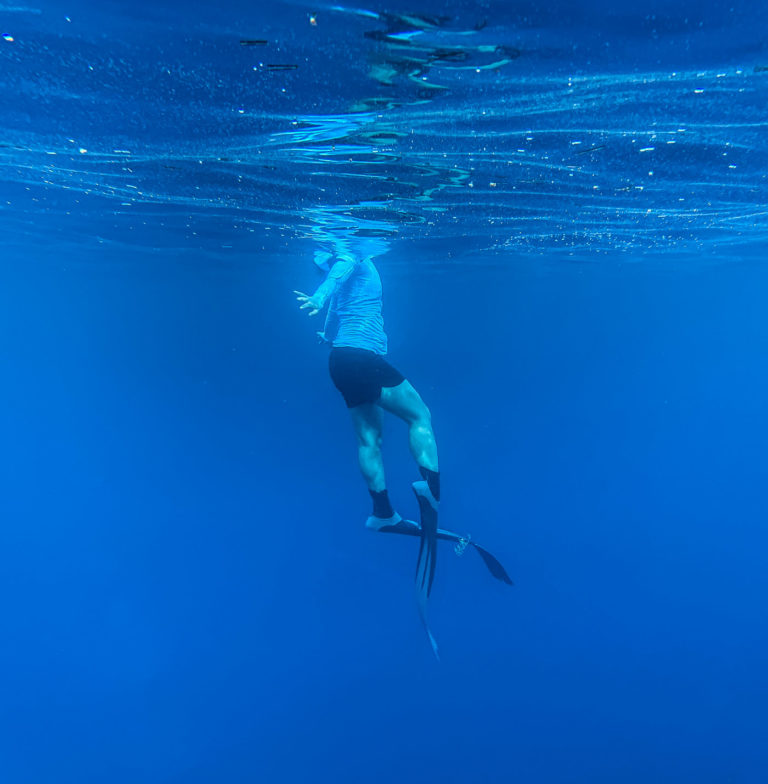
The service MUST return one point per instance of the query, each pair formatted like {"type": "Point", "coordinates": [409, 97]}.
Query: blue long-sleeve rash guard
{"type": "Point", "coordinates": [354, 295]}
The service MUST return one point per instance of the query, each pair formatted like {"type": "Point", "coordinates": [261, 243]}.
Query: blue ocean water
{"type": "Point", "coordinates": [570, 206]}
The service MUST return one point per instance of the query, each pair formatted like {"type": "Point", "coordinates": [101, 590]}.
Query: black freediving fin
{"type": "Point", "coordinates": [427, 560]}
{"type": "Point", "coordinates": [409, 528]}
{"type": "Point", "coordinates": [425, 571]}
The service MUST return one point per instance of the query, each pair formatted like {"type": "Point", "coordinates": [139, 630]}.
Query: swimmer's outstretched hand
{"type": "Point", "coordinates": [307, 302]}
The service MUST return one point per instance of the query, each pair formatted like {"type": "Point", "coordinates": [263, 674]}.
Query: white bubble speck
{"type": "Point", "coordinates": [82, 151]}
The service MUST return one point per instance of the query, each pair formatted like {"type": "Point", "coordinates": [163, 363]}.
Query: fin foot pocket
{"type": "Point", "coordinates": [377, 523]}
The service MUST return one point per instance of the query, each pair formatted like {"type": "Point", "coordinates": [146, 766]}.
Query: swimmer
{"type": "Point", "coordinates": [370, 385]}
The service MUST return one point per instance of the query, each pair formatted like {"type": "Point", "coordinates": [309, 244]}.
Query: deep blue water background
{"type": "Point", "coordinates": [189, 592]}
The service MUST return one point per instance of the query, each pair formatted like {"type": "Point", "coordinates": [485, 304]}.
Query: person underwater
{"type": "Point", "coordinates": [370, 385]}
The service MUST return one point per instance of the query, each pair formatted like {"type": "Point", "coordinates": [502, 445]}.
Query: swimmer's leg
{"type": "Point", "coordinates": [366, 419]}
{"type": "Point", "coordinates": [405, 402]}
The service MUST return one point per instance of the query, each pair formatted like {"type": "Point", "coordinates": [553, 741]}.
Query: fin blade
{"type": "Point", "coordinates": [428, 551]}
{"type": "Point", "coordinates": [425, 624]}
{"type": "Point", "coordinates": [493, 564]}
{"type": "Point", "coordinates": [404, 527]}
{"type": "Point", "coordinates": [427, 560]}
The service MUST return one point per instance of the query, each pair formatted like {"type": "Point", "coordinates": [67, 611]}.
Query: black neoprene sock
{"type": "Point", "coordinates": [433, 480]}
{"type": "Point", "coordinates": [381, 504]}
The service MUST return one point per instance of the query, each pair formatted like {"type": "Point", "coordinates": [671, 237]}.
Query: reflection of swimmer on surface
{"type": "Point", "coordinates": [354, 328]}
{"type": "Point", "coordinates": [411, 45]}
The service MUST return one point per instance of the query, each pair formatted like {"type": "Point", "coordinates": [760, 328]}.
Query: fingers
{"type": "Point", "coordinates": [306, 303]}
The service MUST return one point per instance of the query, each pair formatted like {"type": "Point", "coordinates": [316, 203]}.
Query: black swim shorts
{"type": "Point", "coordinates": [360, 374]}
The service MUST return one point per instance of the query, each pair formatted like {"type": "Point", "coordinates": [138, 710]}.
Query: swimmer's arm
{"type": "Point", "coordinates": [338, 274]}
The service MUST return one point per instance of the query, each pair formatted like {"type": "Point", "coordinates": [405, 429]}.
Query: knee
{"type": "Point", "coordinates": [370, 441]}
{"type": "Point", "coordinates": [423, 419]}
